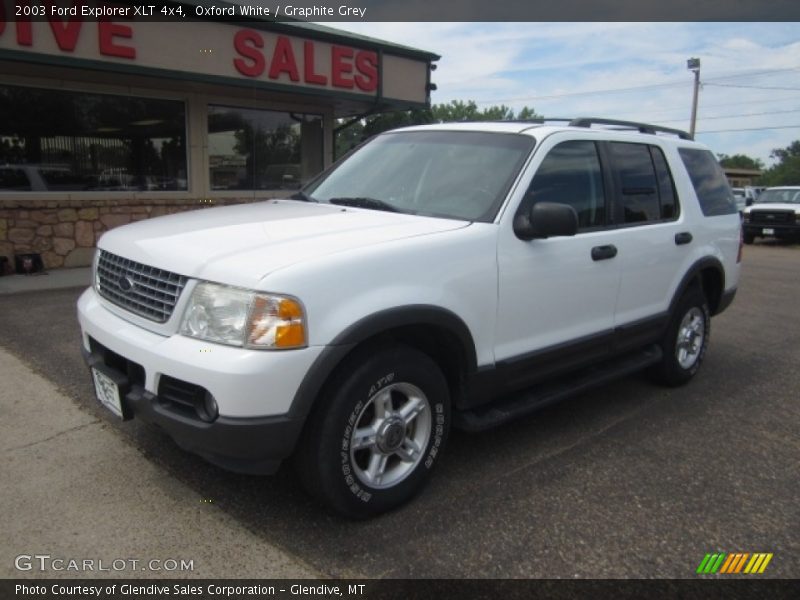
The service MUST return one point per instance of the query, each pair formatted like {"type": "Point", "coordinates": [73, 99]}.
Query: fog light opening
{"type": "Point", "coordinates": [210, 410]}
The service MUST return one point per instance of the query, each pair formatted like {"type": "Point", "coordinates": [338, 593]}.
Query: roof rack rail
{"type": "Point", "coordinates": [545, 119]}
{"type": "Point", "coordinates": [641, 127]}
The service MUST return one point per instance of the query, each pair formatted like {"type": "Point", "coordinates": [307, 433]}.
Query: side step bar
{"type": "Point", "coordinates": [529, 400]}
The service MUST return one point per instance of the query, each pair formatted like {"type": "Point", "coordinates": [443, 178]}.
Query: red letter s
{"type": "Point", "coordinates": [246, 42]}
{"type": "Point", "coordinates": [367, 66]}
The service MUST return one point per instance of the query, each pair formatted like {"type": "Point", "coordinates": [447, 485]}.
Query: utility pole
{"type": "Point", "coordinates": [693, 64]}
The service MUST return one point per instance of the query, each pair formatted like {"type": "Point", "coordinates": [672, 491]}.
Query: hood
{"type": "Point", "coordinates": [239, 245]}
{"type": "Point", "coordinates": [774, 206]}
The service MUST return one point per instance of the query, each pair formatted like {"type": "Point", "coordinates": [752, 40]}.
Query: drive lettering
{"type": "Point", "coordinates": [113, 38]}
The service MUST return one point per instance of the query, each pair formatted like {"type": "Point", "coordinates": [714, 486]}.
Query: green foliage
{"type": "Point", "coordinates": [453, 111]}
{"type": "Point", "coordinates": [740, 161]}
{"type": "Point", "coordinates": [787, 170]}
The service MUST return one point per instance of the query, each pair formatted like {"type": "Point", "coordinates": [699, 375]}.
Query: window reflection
{"type": "Point", "coordinates": [62, 141]}
{"type": "Point", "coordinates": [253, 149]}
{"type": "Point", "coordinates": [571, 174]}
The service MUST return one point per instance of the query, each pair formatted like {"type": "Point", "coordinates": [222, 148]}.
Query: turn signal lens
{"type": "Point", "coordinates": [276, 322]}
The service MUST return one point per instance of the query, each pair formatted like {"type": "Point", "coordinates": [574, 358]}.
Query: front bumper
{"type": "Point", "coordinates": [254, 445]}
{"type": "Point", "coordinates": [259, 419]}
{"type": "Point", "coordinates": [779, 229]}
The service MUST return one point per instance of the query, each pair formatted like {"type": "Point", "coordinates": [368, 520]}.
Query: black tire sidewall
{"type": "Point", "coordinates": [359, 380]}
{"type": "Point", "coordinates": [671, 372]}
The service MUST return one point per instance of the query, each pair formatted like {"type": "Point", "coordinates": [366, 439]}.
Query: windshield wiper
{"type": "Point", "coordinates": [372, 203]}
{"type": "Point", "coordinates": [301, 195]}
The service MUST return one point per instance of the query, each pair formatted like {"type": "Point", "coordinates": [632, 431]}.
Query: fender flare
{"type": "Point", "coordinates": [692, 274]}
{"type": "Point", "coordinates": [370, 326]}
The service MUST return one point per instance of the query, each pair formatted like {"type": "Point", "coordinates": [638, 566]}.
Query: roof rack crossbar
{"type": "Point", "coordinates": [641, 127]}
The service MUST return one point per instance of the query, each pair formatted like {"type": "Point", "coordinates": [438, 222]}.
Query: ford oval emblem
{"type": "Point", "coordinates": [125, 283]}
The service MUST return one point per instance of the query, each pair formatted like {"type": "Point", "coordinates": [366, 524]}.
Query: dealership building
{"type": "Point", "coordinates": [104, 122]}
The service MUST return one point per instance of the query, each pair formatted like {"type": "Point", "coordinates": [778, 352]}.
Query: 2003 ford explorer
{"type": "Point", "coordinates": [444, 275]}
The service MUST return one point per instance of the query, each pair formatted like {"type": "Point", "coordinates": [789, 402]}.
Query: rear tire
{"type": "Point", "coordinates": [377, 431]}
{"type": "Point", "coordinates": [685, 340]}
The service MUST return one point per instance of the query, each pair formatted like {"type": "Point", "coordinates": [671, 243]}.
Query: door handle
{"type": "Point", "coordinates": [604, 252]}
{"type": "Point", "coordinates": [684, 237]}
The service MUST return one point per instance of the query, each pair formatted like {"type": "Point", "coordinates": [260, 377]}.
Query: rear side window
{"type": "Point", "coordinates": [710, 184]}
{"type": "Point", "coordinates": [646, 189]}
{"type": "Point", "coordinates": [638, 185]}
{"type": "Point", "coordinates": [666, 186]}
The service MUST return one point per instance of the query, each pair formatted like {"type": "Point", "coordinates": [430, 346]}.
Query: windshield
{"type": "Point", "coordinates": [452, 174]}
{"type": "Point", "coordinates": [788, 196]}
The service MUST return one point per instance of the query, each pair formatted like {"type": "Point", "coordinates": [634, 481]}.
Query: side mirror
{"type": "Point", "coordinates": [748, 202]}
{"type": "Point", "coordinates": [546, 219]}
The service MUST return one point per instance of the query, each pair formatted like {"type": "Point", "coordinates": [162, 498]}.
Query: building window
{"type": "Point", "coordinates": [62, 141]}
{"type": "Point", "coordinates": [253, 149]}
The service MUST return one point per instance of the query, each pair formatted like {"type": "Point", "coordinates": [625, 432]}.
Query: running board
{"type": "Point", "coordinates": [529, 400]}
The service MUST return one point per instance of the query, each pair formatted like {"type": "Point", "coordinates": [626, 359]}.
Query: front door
{"type": "Point", "coordinates": [557, 296]}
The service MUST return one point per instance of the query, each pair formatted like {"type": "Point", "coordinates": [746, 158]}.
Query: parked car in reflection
{"type": "Point", "coordinates": [40, 178]}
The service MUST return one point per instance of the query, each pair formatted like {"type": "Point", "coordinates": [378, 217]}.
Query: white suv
{"type": "Point", "coordinates": [442, 275]}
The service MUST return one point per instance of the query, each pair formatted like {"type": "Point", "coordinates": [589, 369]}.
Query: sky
{"type": "Point", "coordinates": [588, 69]}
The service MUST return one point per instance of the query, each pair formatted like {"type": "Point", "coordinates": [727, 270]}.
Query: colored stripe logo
{"type": "Point", "coordinates": [737, 562]}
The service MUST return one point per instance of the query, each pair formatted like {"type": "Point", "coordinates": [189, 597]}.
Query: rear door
{"type": "Point", "coordinates": [653, 238]}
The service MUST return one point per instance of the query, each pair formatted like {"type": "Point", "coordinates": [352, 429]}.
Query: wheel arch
{"type": "Point", "coordinates": [436, 331]}
{"type": "Point", "coordinates": [709, 274]}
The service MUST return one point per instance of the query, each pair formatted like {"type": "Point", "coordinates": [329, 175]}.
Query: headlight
{"type": "Point", "coordinates": [237, 317]}
{"type": "Point", "coordinates": [747, 216]}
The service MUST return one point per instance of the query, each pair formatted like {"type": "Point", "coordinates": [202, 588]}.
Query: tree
{"type": "Point", "coordinates": [787, 170]}
{"type": "Point", "coordinates": [453, 111]}
{"type": "Point", "coordinates": [740, 161]}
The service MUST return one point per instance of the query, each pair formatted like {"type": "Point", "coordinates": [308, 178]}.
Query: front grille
{"type": "Point", "coordinates": [152, 293]}
{"type": "Point", "coordinates": [771, 216]}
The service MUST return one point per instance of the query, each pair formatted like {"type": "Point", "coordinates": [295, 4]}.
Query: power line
{"type": "Point", "coordinates": [651, 86]}
{"type": "Point", "coordinates": [704, 106]}
{"type": "Point", "coordinates": [753, 74]}
{"type": "Point", "coordinates": [751, 129]}
{"type": "Point", "coordinates": [758, 114]}
{"type": "Point", "coordinates": [752, 87]}
{"type": "Point", "coordinates": [588, 93]}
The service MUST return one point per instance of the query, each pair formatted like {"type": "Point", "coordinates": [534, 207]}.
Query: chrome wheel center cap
{"type": "Point", "coordinates": [391, 434]}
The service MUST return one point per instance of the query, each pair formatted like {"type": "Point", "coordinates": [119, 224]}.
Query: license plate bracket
{"type": "Point", "coordinates": [110, 388]}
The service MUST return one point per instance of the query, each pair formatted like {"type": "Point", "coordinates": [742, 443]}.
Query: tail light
{"type": "Point", "coordinates": [741, 245]}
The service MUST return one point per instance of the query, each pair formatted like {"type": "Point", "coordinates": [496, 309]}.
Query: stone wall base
{"type": "Point", "coordinates": [65, 232]}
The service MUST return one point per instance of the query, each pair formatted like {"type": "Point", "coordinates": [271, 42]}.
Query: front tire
{"type": "Point", "coordinates": [686, 339]}
{"type": "Point", "coordinates": [748, 238]}
{"type": "Point", "coordinates": [377, 431]}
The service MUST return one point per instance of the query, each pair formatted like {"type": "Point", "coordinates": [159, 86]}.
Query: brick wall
{"type": "Point", "coordinates": [65, 232]}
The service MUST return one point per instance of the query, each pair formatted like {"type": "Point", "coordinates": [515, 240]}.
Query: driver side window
{"type": "Point", "coordinates": [571, 174]}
